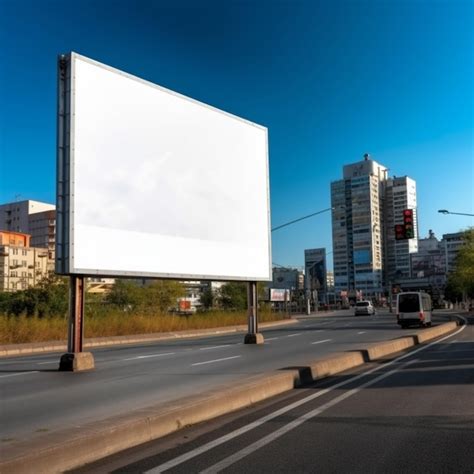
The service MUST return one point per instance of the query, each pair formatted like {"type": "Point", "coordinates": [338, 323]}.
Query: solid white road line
{"type": "Point", "coordinates": [215, 360]}
{"type": "Point", "coordinates": [51, 362]}
{"type": "Point", "coordinates": [218, 467]}
{"type": "Point", "coordinates": [20, 373]}
{"type": "Point", "coordinates": [234, 434]}
{"type": "Point", "coordinates": [320, 342]}
{"type": "Point", "coordinates": [361, 332]}
{"type": "Point", "coordinates": [213, 347]}
{"type": "Point", "coordinates": [293, 335]}
{"type": "Point", "coordinates": [151, 355]}
{"type": "Point", "coordinates": [271, 338]}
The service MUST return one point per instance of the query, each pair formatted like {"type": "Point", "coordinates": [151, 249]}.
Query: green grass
{"type": "Point", "coordinates": [22, 329]}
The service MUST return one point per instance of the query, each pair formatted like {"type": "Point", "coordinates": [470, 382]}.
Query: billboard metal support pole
{"type": "Point", "coordinates": [76, 314]}
{"type": "Point", "coordinates": [75, 359]}
{"type": "Point", "coordinates": [252, 336]}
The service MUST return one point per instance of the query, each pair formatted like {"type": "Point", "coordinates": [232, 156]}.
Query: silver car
{"type": "Point", "coordinates": [363, 308]}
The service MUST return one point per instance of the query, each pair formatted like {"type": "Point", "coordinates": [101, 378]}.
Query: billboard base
{"type": "Point", "coordinates": [76, 362]}
{"type": "Point", "coordinates": [256, 338]}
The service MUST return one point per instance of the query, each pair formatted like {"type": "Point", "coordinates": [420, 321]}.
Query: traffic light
{"type": "Point", "coordinates": [406, 230]}
{"type": "Point", "coordinates": [399, 232]}
{"type": "Point", "coordinates": [408, 223]}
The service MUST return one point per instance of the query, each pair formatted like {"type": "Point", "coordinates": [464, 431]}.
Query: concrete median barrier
{"type": "Point", "coordinates": [382, 349]}
{"type": "Point", "coordinates": [336, 363]}
{"type": "Point", "coordinates": [79, 445]}
{"type": "Point", "coordinates": [425, 335]}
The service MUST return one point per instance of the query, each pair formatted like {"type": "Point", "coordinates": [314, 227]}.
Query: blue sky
{"type": "Point", "coordinates": [330, 79]}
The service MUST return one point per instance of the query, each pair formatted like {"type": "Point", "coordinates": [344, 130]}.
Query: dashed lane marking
{"type": "Point", "coordinates": [320, 342]}
{"type": "Point", "coordinates": [215, 360]}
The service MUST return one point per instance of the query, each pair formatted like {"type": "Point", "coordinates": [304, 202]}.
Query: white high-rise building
{"type": "Point", "coordinates": [357, 228]}
{"type": "Point", "coordinates": [400, 194]}
{"type": "Point", "coordinates": [367, 204]}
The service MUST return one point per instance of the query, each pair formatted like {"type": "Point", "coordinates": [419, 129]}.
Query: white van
{"type": "Point", "coordinates": [414, 307]}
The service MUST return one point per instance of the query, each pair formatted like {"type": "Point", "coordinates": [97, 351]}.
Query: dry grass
{"type": "Point", "coordinates": [22, 329]}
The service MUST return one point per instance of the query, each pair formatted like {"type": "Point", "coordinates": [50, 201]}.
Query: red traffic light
{"type": "Point", "coordinates": [400, 232]}
{"type": "Point", "coordinates": [408, 217]}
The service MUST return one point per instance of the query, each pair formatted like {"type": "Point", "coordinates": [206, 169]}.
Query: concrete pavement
{"type": "Point", "coordinates": [200, 369]}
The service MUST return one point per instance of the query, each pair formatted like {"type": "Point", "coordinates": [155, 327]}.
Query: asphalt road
{"type": "Point", "coordinates": [36, 398]}
{"type": "Point", "coordinates": [413, 413]}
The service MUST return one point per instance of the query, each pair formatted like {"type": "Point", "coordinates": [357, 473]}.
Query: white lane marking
{"type": "Point", "coordinates": [320, 330]}
{"type": "Point", "coordinates": [271, 338]}
{"type": "Point", "coordinates": [215, 360]}
{"type": "Point", "coordinates": [361, 332]}
{"type": "Point", "coordinates": [293, 335]}
{"type": "Point", "coordinates": [320, 342]}
{"type": "Point", "coordinates": [234, 434]}
{"type": "Point", "coordinates": [51, 362]}
{"type": "Point", "coordinates": [454, 351]}
{"type": "Point", "coordinates": [20, 373]}
{"type": "Point", "coordinates": [213, 347]}
{"type": "Point", "coordinates": [151, 355]}
{"type": "Point", "coordinates": [218, 467]}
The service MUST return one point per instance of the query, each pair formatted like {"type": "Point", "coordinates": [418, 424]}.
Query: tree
{"type": "Point", "coordinates": [207, 298]}
{"type": "Point", "coordinates": [124, 294]}
{"type": "Point", "coordinates": [462, 278]}
{"type": "Point", "coordinates": [161, 295]}
{"type": "Point", "coordinates": [233, 295]}
{"type": "Point", "coordinates": [48, 298]}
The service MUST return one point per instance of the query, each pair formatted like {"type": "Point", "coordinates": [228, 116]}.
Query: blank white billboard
{"type": "Point", "coordinates": [152, 183]}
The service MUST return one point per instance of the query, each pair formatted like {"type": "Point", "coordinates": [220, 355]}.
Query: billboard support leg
{"type": "Point", "coordinates": [75, 359]}
{"type": "Point", "coordinates": [252, 336]}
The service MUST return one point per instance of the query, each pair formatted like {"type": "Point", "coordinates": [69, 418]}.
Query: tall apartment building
{"type": "Point", "coordinates": [400, 194]}
{"type": "Point", "coordinates": [21, 266]}
{"type": "Point", "coordinates": [367, 205]}
{"type": "Point", "coordinates": [31, 217]}
{"type": "Point", "coordinates": [358, 228]}
{"type": "Point", "coordinates": [451, 243]}
{"type": "Point", "coordinates": [42, 227]}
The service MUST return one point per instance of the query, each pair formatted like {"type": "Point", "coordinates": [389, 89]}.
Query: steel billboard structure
{"type": "Point", "coordinates": [154, 184]}
{"type": "Point", "coordinates": [151, 183]}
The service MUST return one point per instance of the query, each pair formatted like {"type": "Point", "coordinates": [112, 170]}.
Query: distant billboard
{"type": "Point", "coordinates": [155, 184]}
{"type": "Point", "coordinates": [279, 295]}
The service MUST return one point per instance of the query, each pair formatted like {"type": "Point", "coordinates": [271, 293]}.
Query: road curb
{"type": "Point", "coordinates": [8, 350]}
{"type": "Point", "coordinates": [66, 449]}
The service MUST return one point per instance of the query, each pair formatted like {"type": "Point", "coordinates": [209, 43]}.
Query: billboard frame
{"type": "Point", "coordinates": [65, 179]}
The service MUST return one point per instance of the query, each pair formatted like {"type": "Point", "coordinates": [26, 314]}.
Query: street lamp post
{"type": "Point", "coordinates": [301, 218]}
{"type": "Point", "coordinates": [445, 211]}
{"type": "Point", "coordinates": [308, 303]}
